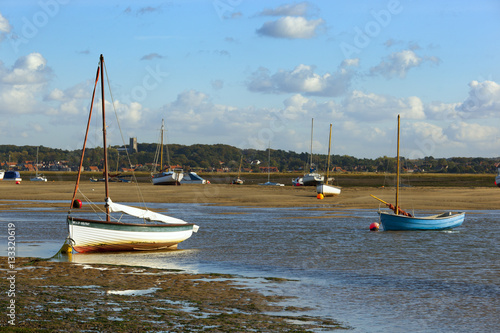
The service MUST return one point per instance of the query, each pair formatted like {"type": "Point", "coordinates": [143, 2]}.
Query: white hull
{"type": "Point", "coordinates": [2, 172]}
{"type": "Point", "coordinates": [38, 179]}
{"type": "Point", "coordinates": [99, 236]}
{"type": "Point", "coordinates": [272, 184]}
{"type": "Point", "coordinates": [167, 178]}
{"type": "Point", "coordinates": [312, 179]}
{"type": "Point", "coordinates": [328, 190]}
{"type": "Point", "coordinates": [193, 178]}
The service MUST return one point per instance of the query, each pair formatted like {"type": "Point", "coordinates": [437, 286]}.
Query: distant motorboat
{"type": "Point", "coordinates": [2, 172]}
{"type": "Point", "coordinates": [12, 175]}
{"type": "Point", "coordinates": [272, 184]}
{"type": "Point", "coordinates": [172, 177]}
{"type": "Point", "coordinates": [193, 178]}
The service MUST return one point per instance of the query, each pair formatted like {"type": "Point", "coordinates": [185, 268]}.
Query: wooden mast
{"type": "Point", "coordinates": [103, 101]}
{"type": "Point", "coordinates": [397, 173]}
{"type": "Point", "coordinates": [329, 147]}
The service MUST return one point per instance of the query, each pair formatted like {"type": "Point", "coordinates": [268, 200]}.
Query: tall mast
{"type": "Point", "coordinates": [397, 173]}
{"type": "Point", "coordinates": [329, 147]}
{"type": "Point", "coordinates": [311, 157]}
{"type": "Point", "coordinates": [106, 180]}
{"type": "Point", "coordinates": [269, 163]}
{"type": "Point", "coordinates": [161, 152]}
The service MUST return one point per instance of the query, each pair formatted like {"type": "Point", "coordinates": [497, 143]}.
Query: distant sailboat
{"type": "Point", "coordinates": [238, 180]}
{"type": "Point", "coordinates": [38, 178]}
{"type": "Point", "coordinates": [312, 178]}
{"type": "Point", "coordinates": [325, 189]}
{"type": "Point", "coordinates": [167, 177]}
{"type": "Point", "coordinates": [269, 182]}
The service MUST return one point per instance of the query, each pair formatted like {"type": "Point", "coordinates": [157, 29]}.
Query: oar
{"type": "Point", "coordinates": [391, 206]}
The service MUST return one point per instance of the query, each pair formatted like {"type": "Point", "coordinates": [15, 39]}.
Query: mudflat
{"type": "Point", "coordinates": [432, 198]}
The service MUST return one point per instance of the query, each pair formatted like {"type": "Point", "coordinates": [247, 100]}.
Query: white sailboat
{"type": "Point", "coordinates": [312, 178]}
{"type": "Point", "coordinates": [169, 176]}
{"type": "Point", "coordinates": [38, 178]}
{"type": "Point", "coordinates": [325, 189]}
{"type": "Point", "coordinates": [269, 182]}
{"type": "Point", "coordinates": [132, 228]}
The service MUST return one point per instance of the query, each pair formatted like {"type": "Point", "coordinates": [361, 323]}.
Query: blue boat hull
{"type": "Point", "coordinates": [444, 221]}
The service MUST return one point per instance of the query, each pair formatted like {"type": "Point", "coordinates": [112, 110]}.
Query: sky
{"type": "Point", "coordinates": [254, 74]}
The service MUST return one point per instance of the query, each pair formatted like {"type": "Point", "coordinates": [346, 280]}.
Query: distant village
{"type": "Point", "coordinates": [222, 158]}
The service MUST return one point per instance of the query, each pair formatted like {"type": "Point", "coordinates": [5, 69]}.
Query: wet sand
{"type": "Point", "coordinates": [432, 198]}
{"type": "Point", "coordinates": [62, 296]}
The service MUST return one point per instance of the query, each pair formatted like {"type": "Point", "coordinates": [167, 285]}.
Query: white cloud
{"type": "Point", "coordinates": [291, 27]}
{"type": "Point", "coordinates": [397, 64]}
{"type": "Point", "coordinates": [296, 9]}
{"type": "Point", "coordinates": [4, 25]}
{"type": "Point", "coordinates": [470, 132]}
{"type": "Point", "coordinates": [373, 107]}
{"type": "Point", "coordinates": [302, 79]}
{"type": "Point", "coordinates": [298, 106]}
{"type": "Point", "coordinates": [483, 100]}
{"type": "Point", "coordinates": [22, 85]}
{"type": "Point", "coordinates": [31, 69]}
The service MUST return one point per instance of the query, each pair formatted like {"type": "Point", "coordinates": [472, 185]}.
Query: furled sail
{"type": "Point", "coordinates": [144, 214]}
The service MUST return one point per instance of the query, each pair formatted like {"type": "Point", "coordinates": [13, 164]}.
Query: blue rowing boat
{"type": "Point", "coordinates": [448, 220]}
{"type": "Point", "coordinates": [398, 219]}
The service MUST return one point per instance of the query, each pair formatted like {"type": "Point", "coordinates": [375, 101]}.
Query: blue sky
{"type": "Point", "coordinates": [249, 73]}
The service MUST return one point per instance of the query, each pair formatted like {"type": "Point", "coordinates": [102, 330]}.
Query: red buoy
{"type": "Point", "coordinates": [18, 182]}
{"type": "Point", "coordinates": [77, 203]}
{"type": "Point", "coordinates": [374, 226]}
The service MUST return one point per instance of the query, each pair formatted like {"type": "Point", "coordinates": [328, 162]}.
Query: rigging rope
{"type": "Point", "coordinates": [123, 140]}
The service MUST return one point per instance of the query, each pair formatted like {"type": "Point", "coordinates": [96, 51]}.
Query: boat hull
{"type": "Point", "coordinates": [312, 179]}
{"type": "Point", "coordinates": [167, 178]}
{"type": "Point", "coordinates": [12, 175]}
{"type": "Point", "coordinates": [101, 236]}
{"type": "Point", "coordinates": [444, 221]}
{"type": "Point", "coordinates": [327, 190]}
{"type": "Point", "coordinates": [38, 179]}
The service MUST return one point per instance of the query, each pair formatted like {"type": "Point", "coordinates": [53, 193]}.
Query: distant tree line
{"type": "Point", "coordinates": [225, 157]}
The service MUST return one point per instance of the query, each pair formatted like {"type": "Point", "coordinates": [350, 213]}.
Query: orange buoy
{"type": "Point", "coordinates": [374, 226]}
{"type": "Point", "coordinates": [320, 196]}
{"type": "Point", "coordinates": [77, 203]}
